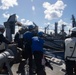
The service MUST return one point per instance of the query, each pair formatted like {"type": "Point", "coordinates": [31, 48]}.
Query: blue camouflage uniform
{"type": "Point", "coordinates": [37, 50]}
{"type": "Point", "coordinates": [27, 53]}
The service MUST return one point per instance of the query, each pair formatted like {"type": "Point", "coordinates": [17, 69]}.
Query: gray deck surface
{"type": "Point", "coordinates": [58, 66]}
{"type": "Point", "coordinates": [56, 70]}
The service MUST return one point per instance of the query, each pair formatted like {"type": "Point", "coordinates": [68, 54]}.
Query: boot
{"type": "Point", "coordinates": [42, 72]}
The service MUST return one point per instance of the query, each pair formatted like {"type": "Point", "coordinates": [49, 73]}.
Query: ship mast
{"type": "Point", "coordinates": [73, 21]}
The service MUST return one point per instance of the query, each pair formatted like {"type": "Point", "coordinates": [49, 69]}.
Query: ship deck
{"type": "Point", "coordinates": [57, 70]}
{"type": "Point", "coordinates": [56, 60]}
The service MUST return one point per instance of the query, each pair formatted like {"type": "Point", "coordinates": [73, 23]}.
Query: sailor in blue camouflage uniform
{"type": "Point", "coordinates": [27, 52]}
{"type": "Point", "coordinates": [38, 52]}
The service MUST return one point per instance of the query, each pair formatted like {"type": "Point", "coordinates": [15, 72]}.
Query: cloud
{"type": "Point", "coordinates": [41, 29]}
{"type": "Point", "coordinates": [32, 0]}
{"type": "Point", "coordinates": [33, 8]}
{"type": "Point", "coordinates": [6, 15]}
{"type": "Point", "coordinates": [67, 27]}
{"type": "Point", "coordinates": [6, 4]}
{"type": "Point", "coordinates": [60, 22]}
{"type": "Point", "coordinates": [53, 11]}
{"type": "Point", "coordinates": [26, 22]}
{"type": "Point", "coordinates": [17, 16]}
{"type": "Point", "coordinates": [47, 31]}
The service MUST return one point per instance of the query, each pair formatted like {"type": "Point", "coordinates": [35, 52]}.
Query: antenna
{"type": "Point", "coordinates": [46, 28]}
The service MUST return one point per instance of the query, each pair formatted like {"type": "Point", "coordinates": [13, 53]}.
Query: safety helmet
{"type": "Point", "coordinates": [40, 34]}
{"type": "Point", "coordinates": [30, 27]}
{"type": "Point", "coordinates": [73, 29]}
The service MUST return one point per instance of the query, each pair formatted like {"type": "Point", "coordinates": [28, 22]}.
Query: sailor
{"type": "Point", "coordinates": [38, 52]}
{"type": "Point", "coordinates": [19, 38]}
{"type": "Point", "coordinates": [3, 40]}
{"type": "Point", "coordinates": [70, 53]}
{"type": "Point", "coordinates": [27, 53]}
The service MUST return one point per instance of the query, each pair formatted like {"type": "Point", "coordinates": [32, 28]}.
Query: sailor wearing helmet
{"type": "Point", "coordinates": [70, 53]}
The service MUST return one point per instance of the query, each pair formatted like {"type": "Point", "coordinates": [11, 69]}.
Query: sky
{"type": "Point", "coordinates": [42, 12]}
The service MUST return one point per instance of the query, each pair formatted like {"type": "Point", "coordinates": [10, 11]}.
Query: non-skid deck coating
{"type": "Point", "coordinates": [57, 70]}
{"type": "Point", "coordinates": [58, 67]}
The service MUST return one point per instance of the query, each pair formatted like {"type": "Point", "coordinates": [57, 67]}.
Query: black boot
{"type": "Point", "coordinates": [42, 72]}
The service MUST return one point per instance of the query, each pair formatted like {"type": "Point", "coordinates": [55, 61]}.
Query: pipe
{"type": "Point", "coordinates": [5, 55]}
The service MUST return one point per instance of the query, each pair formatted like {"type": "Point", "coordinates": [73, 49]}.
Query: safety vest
{"type": "Point", "coordinates": [70, 48]}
